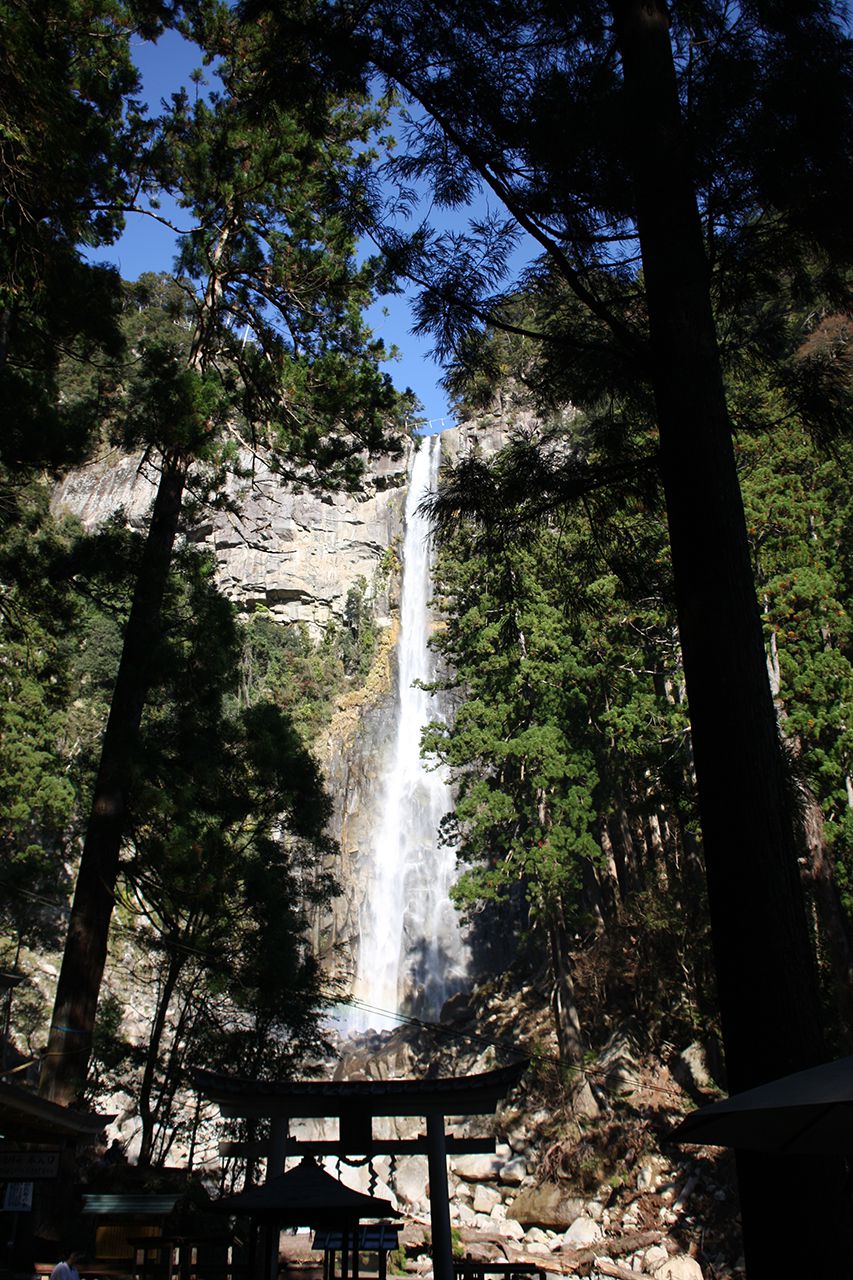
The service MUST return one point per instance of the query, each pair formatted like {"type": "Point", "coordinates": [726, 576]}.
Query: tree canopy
{"type": "Point", "coordinates": [263, 347]}
{"type": "Point", "coordinates": [631, 141]}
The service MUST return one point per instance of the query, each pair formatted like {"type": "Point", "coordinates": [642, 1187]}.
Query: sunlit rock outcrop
{"type": "Point", "coordinates": [295, 554]}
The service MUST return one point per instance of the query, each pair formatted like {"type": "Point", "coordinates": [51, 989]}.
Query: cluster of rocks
{"type": "Point", "coordinates": [557, 1192]}
{"type": "Point", "coordinates": [501, 1213]}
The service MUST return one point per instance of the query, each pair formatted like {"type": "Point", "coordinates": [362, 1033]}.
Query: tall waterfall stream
{"type": "Point", "coordinates": [412, 953]}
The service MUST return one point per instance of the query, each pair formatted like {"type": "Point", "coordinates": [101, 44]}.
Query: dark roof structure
{"type": "Point", "coordinates": [26, 1117]}
{"type": "Point", "coordinates": [445, 1095]}
{"type": "Point", "coordinates": [809, 1113]}
{"type": "Point", "coordinates": [306, 1196]}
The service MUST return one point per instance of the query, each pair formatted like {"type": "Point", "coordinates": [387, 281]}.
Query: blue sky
{"type": "Point", "coordinates": [149, 246]}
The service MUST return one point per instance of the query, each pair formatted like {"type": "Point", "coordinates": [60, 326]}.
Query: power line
{"type": "Point", "coordinates": [439, 1028]}
{"type": "Point", "coordinates": [404, 1019]}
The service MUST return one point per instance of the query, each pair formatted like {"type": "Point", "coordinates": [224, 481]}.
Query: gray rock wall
{"type": "Point", "coordinates": [297, 555]}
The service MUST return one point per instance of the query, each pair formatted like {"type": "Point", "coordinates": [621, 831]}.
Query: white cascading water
{"type": "Point", "coordinates": [412, 953]}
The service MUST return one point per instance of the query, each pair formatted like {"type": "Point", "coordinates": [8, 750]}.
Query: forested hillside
{"type": "Point", "coordinates": [571, 740]}
{"type": "Point", "coordinates": [646, 595]}
{"type": "Point", "coordinates": [151, 761]}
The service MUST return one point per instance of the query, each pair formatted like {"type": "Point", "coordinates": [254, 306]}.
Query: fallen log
{"type": "Point", "coordinates": [567, 1262]}
{"type": "Point", "coordinates": [617, 1247]}
{"type": "Point", "coordinates": [605, 1267]}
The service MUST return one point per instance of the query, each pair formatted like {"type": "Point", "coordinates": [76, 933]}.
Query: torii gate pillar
{"type": "Point", "coordinates": [356, 1103]}
{"type": "Point", "coordinates": [439, 1198]}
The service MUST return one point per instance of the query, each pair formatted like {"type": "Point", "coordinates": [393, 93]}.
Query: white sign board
{"type": "Point", "coordinates": [18, 1198]}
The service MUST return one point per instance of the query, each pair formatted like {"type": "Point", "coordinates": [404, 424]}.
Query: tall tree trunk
{"type": "Point", "coordinates": [194, 1127]}
{"type": "Point", "coordinates": [63, 1073]}
{"type": "Point", "coordinates": [820, 877]}
{"type": "Point", "coordinates": [563, 1005]}
{"type": "Point", "coordinates": [69, 1045]}
{"type": "Point", "coordinates": [765, 971]}
{"type": "Point", "coordinates": [6, 315]}
{"type": "Point", "coordinates": [147, 1111]}
{"type": "Point", "coordinates": [173, 1074]}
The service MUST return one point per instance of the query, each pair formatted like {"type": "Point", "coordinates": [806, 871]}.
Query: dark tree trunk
{"type": "Point", "coordinates": [629, 868]}
{"type": "Point", "coordinates": [563, 1006]}
{"type": "Point", "coordinates": [5, 334]}
{"type": "Point", "coordinates": [172, 1075]}
{"type": "Point", "coordinates": [63, 1072]}
{"type": "Point", "coordinates": [194, 1134]}
{"type": "Point", "coordinates": [820, 878]}
{"type": "Point", "coordinates": [765, 970]}
{"type": "Point", "coordinates": [147, 1111]}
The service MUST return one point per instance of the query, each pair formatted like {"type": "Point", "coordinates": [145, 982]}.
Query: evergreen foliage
{"type": "Point", "coordinates": [226, 844]}
{"type": "Point", "coordinates": [561, 633]}
{"type": "Point", "coordinates": [275, 356]}
{"type": "Point", "coordinates": [282, 664]}
{"type": "Point", "coordinates": [225, 849]}
{"type": "Point", "coordinates": [570, 743]}
{"type": "Point", "coordinates": [38, 795]}
{"type": "Point", "coordinates": [69, 129]}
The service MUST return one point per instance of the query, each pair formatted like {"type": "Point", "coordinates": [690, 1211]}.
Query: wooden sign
{"type": "Point", "coordinates": [27, 1166]}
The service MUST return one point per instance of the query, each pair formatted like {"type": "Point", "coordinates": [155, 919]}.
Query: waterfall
{"type": "Point", "coordinates": [412, 955]}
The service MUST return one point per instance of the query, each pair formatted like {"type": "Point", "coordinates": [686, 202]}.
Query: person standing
{"type": "Point", "coordinates": [67, 1270]}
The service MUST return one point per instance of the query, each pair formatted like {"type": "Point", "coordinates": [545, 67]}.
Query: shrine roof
{"type": "Point", "coordinates": [446, 1095]}
{"type": "Point", "coordinates": [306, 1196]}
{"type": "Point", "coordinates": [27, 1117]}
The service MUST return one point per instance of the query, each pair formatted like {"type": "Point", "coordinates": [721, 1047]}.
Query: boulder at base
{"type": "Point", "coordinates": [681, 1267]}
{"type": "Point", "coordinates": [548, 1205]}
{"type": "Point", "coordinates": [583, 1231]}
{"type": "Point", "coordinates": [482, 1168]}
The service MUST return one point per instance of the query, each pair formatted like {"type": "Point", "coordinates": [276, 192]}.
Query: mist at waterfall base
{"type": "Point", "coordinates": [412, 953]}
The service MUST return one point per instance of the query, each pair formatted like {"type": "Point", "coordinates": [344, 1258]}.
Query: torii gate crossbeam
{"type": "Point", "coordinates": [355, 1103]}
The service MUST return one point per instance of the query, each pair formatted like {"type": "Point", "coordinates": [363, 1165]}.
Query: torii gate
{"type": "Point", "coordinates": [354, 1103]}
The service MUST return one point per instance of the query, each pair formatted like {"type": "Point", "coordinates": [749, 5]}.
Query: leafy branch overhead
{"type": "Point", "coordinates": [270, 344]}
{"type": "Point", "coordinates": [536, 474]}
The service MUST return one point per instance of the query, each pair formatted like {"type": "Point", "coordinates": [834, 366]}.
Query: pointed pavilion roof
{"type": "Point", "coordinates": [306, 1196]}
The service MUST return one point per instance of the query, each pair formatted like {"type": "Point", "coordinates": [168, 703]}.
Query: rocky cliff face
{"type": "Point", "coordinates": [297, 555]}
{"type": "Point", "coordinates": [294, 554]}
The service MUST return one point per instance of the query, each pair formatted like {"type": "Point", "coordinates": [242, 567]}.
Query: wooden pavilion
{"type": "Point", "coordinates": [308, 1196]}
{"type": "Point", "coordinates": [40, 1144]}
{"type": "Point", "coordinates": [355, 1103]}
